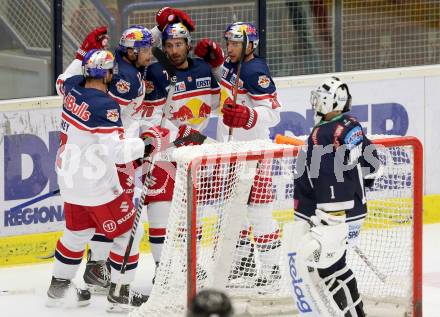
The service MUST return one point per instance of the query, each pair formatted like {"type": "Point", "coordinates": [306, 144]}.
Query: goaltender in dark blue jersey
{"type": "Point", "coordinates": [332, 178]}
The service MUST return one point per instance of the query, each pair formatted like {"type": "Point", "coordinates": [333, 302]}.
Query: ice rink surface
{"type": "Point", "coordinates": [36, 278]}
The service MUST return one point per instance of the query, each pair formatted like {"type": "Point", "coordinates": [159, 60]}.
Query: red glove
{"type": "Point", "coordinates": [238, 116]}
{"type": "Point", "coordinates": [97, 39]}
{"type": "Point", "coordinates": [168, 15]}
{"type": "Point", "coordinates": [210, 51]}
{"type": "Point", "coordinates": [185, 131]}
{"type": "Point", "coordinates": [156, 139]}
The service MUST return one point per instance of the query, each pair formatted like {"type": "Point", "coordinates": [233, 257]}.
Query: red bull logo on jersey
{"type": "Point", "coordinates": [122, 86]}
{"type": "Point", "coordinates": [78, 110]}
{"type": "Point", "coordinates": [113, 115]}
{"type": "Point", "coordinates": [194, 112]}
{"type": "Point", "coordinates": [183, 114]}
{"type": "Point", "coordinates": [263, 81]}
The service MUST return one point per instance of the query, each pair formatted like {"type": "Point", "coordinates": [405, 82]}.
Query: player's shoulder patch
{"type": "Point", "coordinates": [263, 81]}
{"type": "Point", "coordinates": [354, 136]}
{"type": "Point", "coordinates": [149, 86]}
{"type": "Point", "coordinates": [122, 86]}
{"type": "Point", "coordinates": [113, 115]}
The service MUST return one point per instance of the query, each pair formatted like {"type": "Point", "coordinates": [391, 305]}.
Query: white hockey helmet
{"type": "Point", "coordinates": [97, 63]}
{"type": "Point", "coordinates": [331, 95]}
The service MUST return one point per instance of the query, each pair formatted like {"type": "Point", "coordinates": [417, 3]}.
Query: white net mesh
{"type": "Point", "coordinates": [243, 195]}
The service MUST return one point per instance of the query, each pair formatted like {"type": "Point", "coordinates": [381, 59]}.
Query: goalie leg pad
{"type": "Point", "coordinates": [318, 288]}
{"type": "Point", "coordinates": [312, 295]}
{"type": "Point", "coordinates": [342, 284]}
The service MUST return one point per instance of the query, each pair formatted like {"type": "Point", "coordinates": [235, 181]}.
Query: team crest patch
{"type": "Point", "coordinates": [113, 115]}
{"type": "Point", "coordinates": [122, 86]}
{"type": "Point", "coordinates": [149, 86]}
{"type": "Point", "coordinates": [263, 81]}
{"type": "Point", "coordinates": [180, 86]}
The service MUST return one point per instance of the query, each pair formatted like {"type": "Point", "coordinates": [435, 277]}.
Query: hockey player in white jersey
{"type": "Point", "coordinates": [256, 110]}
{"type": "Point", "coordinates": [92, 142]}
{"type": "Point", "coordinates": [127, 88]}
{"type": "Point", "coordinates": [330, 206]}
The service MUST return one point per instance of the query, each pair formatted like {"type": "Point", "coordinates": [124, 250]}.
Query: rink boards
{"type": "Point", "coordinates": [29, 141]}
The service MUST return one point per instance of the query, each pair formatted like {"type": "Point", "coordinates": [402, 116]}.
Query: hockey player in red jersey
{"type": "Point", "coordinates": [92, 142]}
{"type": "Point", "coordinates": [196, 95]}
{"type": "Point", "coordinates": [255, 111]}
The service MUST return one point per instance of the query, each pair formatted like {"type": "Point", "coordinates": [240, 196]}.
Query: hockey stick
{"type": "Point", "coordinates": [171, 71]}
{"type": "Point", "coordinates": [382, 277]}
{"type": "Point", "coordinates": [237, 80]}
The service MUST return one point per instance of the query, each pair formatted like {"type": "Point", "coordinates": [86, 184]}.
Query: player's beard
{"type": "Point", "coordinates": [178, 60]}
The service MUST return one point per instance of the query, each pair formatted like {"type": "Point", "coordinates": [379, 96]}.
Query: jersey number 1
{"type": "Point", "coordinates": [332, 192]}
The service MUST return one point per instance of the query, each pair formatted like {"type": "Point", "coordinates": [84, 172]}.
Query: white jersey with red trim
{"type": "Point", "coordinates": [256, 90]}
{"type": "Point", "coordinates": [92, 141]}
{"type": "Point", "coordinates": [196, 95]}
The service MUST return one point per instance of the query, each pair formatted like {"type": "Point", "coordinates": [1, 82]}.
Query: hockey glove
{"type": "Point", "coordinates": [238, 116]}
{"type": "Point", "coordinates": [156, 139]}
{"type": "Point", "coordinates": [168, 15]}
{"type": "Point", "coordinates": [185, 131]}
{"type": "Point", "coordinates": [97, 39]}
{"type": "Point", "coordinates": [210, 51]}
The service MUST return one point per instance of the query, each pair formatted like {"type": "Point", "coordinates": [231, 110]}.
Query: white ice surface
{"type": "Point", "coordinates": [37, 277]}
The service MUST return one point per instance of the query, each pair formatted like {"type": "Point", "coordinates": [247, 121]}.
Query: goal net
{"type": "Point", "coordinates": [225, 230]}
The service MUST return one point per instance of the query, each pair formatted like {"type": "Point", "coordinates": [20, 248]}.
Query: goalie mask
{"type": "Point", "coordinates": [135, 37]}
{"type": "Point", "coordinates": [331, 95]}
{"type": "Point", "coordinates": [176, 31]}
{"type": "Point", "coordinates": [234, 32]}
{"type": "Point", "coordinates": [97, 63]}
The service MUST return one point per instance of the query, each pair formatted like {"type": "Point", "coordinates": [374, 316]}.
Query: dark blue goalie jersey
{"type": "Point", "coordinates": [330, 171]}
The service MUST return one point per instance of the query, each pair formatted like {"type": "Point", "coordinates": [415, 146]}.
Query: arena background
{"type": "Point", "coordinates": [387, 50]}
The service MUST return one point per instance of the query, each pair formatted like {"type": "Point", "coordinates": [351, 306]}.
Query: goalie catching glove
{"type": "Point", "coordinates": [168, 15]}
{"type": "Point", "coordinates": [210, 51]}
{"type": "Point", "coordinates": [238, 116]}
{"type": "Point", "coordinates": [96, 39]}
